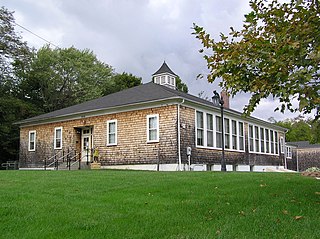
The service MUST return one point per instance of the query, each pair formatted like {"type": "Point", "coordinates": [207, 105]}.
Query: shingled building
{"type": "Point", "coordinates": [150, 127]}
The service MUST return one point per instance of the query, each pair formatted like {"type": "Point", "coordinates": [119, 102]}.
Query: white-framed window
{"type": "Point", "coordinates": [32, 140]}
{"type": "Point", "coordinates": [289, 151]}
{"type": "Point", "coordinates": [261, 140]}
{"type": "Point", "coordinates": [152, 128]}
{"type": "Point", "coordinates": [272, 141]}
{"type": "Point", "coordinates": [251, 142]}
{"type": "Point", "coordinates": [281, 145]}
{"type": "Point", "coordinates": [209, 130]}
{"type": "Point", "coordinates": [200, 129]}
{"type": "Point", "coordinates": [226, 133]}
{"type": "Point", "coordinates": [257, 139]}
{"type": "Point", "coordinates": [58, 138]}
{"type": "Point", "coordinates": [276, 142]}
{"type": "Point", "coordinates": [218, 132]}
{"type": "Point", "coordinates": [157, 80]}
{"type": "Point", "coordinates": [234, 134]}
{"type": "Point", "coordinates": [241, 136]}
{"type": "Point", "coordinates": [267, 141]}
{"type": "Point", "coordinates": [162, 80]}
{"type": "Point", "coordinates": [112, 132]}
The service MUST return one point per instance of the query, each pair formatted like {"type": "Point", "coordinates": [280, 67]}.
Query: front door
{"type": "Point", "coordinates": [86, 144]}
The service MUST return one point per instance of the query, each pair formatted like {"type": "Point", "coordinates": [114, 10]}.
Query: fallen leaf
{"type": "Point", "coordinates": [298, 217]}
{"type": "Point", "coordinates": [285, 212]}
{"type": "Point", "coordinates": [218, 232]}
{"type": "Point", "coordinates": [317, 193]}
{"type": "Point", "coordinates": [254, 210]}
{"type": "Point", "coordinates": [263, 185]}
{"type": "Point", "coordinates": [242, 213]}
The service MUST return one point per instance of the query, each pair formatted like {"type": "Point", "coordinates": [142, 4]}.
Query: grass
{"type": "Point", "coordinates": [132, 204]}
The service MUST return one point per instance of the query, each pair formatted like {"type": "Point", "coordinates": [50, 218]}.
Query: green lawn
{"type": "Point", "coordinates": [132, 204]}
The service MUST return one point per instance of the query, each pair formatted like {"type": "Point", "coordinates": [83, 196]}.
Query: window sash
{"type": "Point", "coordinates": [200, 128]}
{"type": "Point", "coordinates": [251, 142]}
{"type": "Point", "coordinates": [153, 128]}
{"type": "Point", "coordinates": [241, 136]}
{"type": "Point", "coordinates": [32, 140]}
{"type": "Point", "coordinates": [58, 138]}
{"type": "Point", "coordinates": [112, 132]}
{"type": "Point", "coordinates": [218, 132]}
{"type": "Point", "coordinates": [261, 140]}
{"type": "Point", "coordinates": [209, 130]}
{"type": "Point", "coordinates": [226, 133]}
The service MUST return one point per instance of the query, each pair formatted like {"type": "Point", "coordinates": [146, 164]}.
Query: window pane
{"type": "Point", "coordinates": [241, 143]}
{"type": "Point", "coordinates": [226, 126]}
{"type": "Point", "coordinates": [112, 127]}
{"type": "Point", "coordinates": [241, 136]}
{"type": "Point", "coordinates": [219, 140]}
{"type": "Point", "coordinates": [218, 124]}
{"type": "Point", "coordinates": [227, 142]}
{"type": "Point", "coordinates": [58, 143]}
{"type": "Point", "coordinates": [276, 142]}
{"type": "Point", "coordinates": [256, 134]}
{"type": "Point", "coordinates": [31, 137]}
{"type": "Point", "coordinates": [227, 133]}
{"type": "Point", "coordinates": [234, 127]}
{"type": "Point", "coordinates": [262, 140]}
{"type": "Point", "coordinates": [153, 134]}
{"type": "Point", "coordinates": [210, 139]}
{"type": "Point", "coordinates": [240, 128]}
{"type": "Point", "coordinates": [234, 142]}
{"type": "Point", "coordinates": [267, 141]}
{"type": "Point", "coordinates": [271, 141]}
{"type": "Point", "coordinates": [199, 120]}
{"type": "Point", "coordinates": [200, 137]}
{"type": "Point", "coordinates": [209, 122]}
{"type": "Point", "coordinates": [58, 134]}
{"type": "Point", "coordinates": [152, 122]}
{"type": "Point", "coordinates": [251, 138]}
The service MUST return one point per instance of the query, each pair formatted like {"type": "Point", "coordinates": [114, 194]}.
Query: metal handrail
{"type": "Point", "coordinates": [57, 160]}
{"type": "Point", "coordinates": [53, 156]}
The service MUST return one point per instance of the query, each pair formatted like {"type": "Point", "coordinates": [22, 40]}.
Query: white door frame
{"type": "Point", "coordinates": [86, 144]}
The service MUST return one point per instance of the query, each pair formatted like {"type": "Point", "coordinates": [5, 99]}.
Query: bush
{"type": "Point", "coordinates": [313, 169]}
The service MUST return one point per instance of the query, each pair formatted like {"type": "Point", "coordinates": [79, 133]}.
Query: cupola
{"type": "Point", "coordinates": [165, 76]}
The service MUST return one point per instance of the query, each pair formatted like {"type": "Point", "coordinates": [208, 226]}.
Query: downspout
{"type": "Point", "coordinates": [297, 159]}
{"type": "Point", "coordinates": [179, 143]}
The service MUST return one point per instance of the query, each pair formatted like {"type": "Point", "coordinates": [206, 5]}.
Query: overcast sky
{"type": "Point", "coordinates": [136, 36]}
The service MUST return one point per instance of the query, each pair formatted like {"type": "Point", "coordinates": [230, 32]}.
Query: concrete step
{"type": "Point", "coordinates": [83, 166]}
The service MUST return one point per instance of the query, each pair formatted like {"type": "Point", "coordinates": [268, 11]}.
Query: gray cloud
{"type": "Point", "coordinates": [137, 36]}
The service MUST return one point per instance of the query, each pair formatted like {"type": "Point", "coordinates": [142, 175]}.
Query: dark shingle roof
{"type": "Point", "coordinates": [164, 69]}
{"type": "Point", "coordinates": [139, 94]}
{"type": "Point", "coordinates": [145, 93]}
{"type": "Point", "coordinates": [303, 144]}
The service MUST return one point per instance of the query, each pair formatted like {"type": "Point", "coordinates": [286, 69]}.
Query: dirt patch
{"type": "Point", "coordinates": [311, 174]}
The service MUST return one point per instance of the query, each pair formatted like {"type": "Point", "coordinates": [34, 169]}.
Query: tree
{"type": "Point", "coordinates": [277, 53]}
{"type": "Point", "coordinates": [15, 57]}
{"type": "Point", "coordinates": [13, 52]}
{"type": "Point", "coordinates": [120, 82]}
{"type": "Point", "coordinates": [181, 86]}
{"type": "Point", "coordinates": [60, 78]}
{"type": "Point", "coordinates": [301, 129]}
{"type": "Point", "coordinates": [297, 130]}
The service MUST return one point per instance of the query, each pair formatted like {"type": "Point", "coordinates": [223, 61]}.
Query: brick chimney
{"type": "Point", "coordinates": [225, 97]}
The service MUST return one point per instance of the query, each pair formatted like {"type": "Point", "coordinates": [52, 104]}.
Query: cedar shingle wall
{"type": "Point", "coordinates": [213, 156]}
{"type": "Point", "coordinates": [132, 144]}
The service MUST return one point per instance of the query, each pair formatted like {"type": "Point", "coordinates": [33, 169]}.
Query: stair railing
{"type": "Point", "coordinates": [56, 160]}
